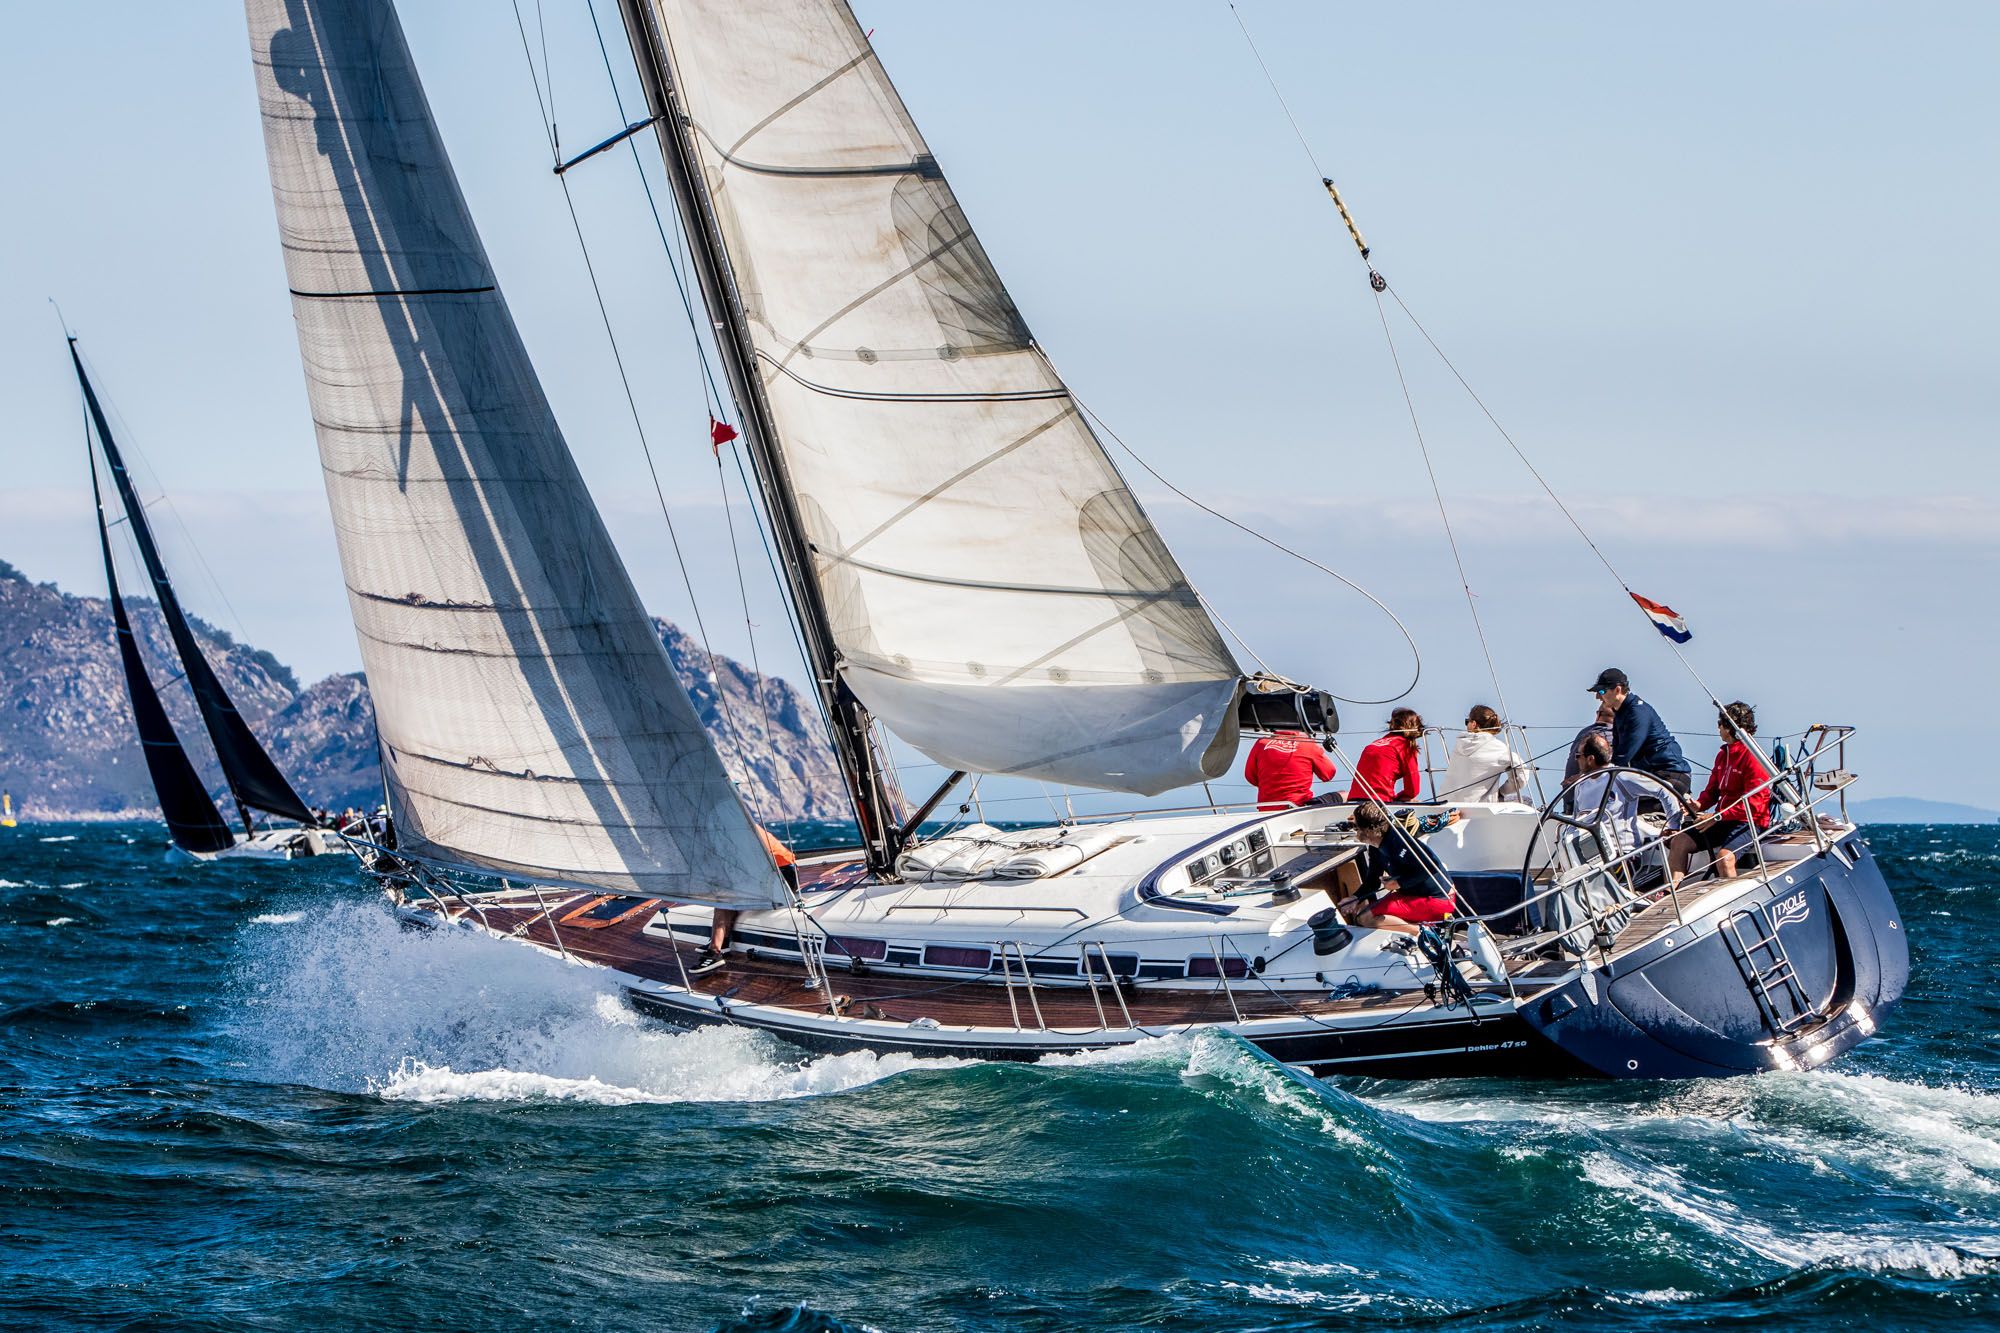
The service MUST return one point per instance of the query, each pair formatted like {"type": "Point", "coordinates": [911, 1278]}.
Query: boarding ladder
{"type": "Point", "coordinates": [1767, 970]}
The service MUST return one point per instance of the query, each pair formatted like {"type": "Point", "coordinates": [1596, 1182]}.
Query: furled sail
{"type": "Point", "coordinates": [250, 772]}
{"type": "Point", "coordinates": [192, 819]}
{"type": "Point", "coordinates": [530, 721]}
{"type": "Point", "coordinates": [997, 595]}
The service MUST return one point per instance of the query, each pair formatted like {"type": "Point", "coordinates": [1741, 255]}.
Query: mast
{"type": "Point", "coordinates": [861, 764]}
{"type": "Point", "coordinates": [192, 820]}
{"type": "Point", "coordinates": [253, 777]}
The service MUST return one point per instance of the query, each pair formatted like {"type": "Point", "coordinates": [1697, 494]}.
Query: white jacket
{"type": "Point", "coordinates": [1483, 767]}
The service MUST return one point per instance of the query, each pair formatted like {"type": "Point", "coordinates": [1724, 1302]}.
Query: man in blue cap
{"type": "Point", "coordinates": [1639, 736]}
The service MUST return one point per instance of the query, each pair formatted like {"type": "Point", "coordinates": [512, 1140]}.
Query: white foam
{"type": "Point", "coordinates": [60, 921]}
{"type": "Point", "coordinates": [1664, 1189]}
{"type": "Point", "coordinates": [359, 1004]}
{"type": "Point", "coordinates": [14, 884]}
{"type": "Point", "coordinates": [65, 837]}
{"type": "Point", "coordinates": [277, 918]}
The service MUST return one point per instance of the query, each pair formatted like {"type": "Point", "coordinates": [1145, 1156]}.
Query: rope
{"type": "Point", "coordinates": [725, 710]}
{"type": "Point", "coordinates": [712, 394]}
{"type": "Point", "coordinates": [1416, 656]}
{"type": "Point", "coordinates": [1437, 493]}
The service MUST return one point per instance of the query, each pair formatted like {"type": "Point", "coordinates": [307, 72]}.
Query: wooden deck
{"type": "Point", "coordinates": [900, 997]}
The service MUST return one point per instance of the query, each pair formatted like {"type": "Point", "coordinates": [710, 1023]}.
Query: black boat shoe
{"type": "Point", "coordinates": [708, 960]}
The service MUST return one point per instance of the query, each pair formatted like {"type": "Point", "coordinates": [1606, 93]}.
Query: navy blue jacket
{"type": "Point", "coordinates": [1640, 739]}
{"type": "Point", "coordinates": [1415, 867]}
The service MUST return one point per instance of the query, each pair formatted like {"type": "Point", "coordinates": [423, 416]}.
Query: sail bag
{"type": "Point", "coordinates": [530, 720]}
{"type": "Point", "coordinates": [997, 596]}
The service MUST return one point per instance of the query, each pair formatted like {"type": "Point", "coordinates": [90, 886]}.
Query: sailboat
{"type": "Point", "coordinates": [195, 828]}
{"type": "Point", "coordinates": [970, 573]}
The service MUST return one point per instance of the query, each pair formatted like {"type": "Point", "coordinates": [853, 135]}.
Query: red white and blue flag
{"type": "Point", "coordinates": [1665, 619]}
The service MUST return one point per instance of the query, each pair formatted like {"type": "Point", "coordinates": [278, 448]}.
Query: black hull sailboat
{"type": "Point", "coordinates": [969, 572]}
{"type": "Point", "coordinates": [195, 828]}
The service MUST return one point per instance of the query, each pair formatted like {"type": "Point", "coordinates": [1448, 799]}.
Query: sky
{"type": "Point", "coordinates": [1721, 272]}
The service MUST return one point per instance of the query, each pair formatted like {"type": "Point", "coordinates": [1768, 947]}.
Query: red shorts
{"type": "Point", "coordinates": [1414, 908]}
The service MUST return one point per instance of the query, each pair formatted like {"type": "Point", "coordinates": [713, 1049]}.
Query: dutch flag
{"type": "Point", "coordinates": [1665, 619]}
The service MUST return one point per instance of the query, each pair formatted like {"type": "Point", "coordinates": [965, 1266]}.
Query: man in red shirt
{"type": "Point", "coordinates": [1729, 806]}
{"type": "Point", "coordinates": [1282, 767]}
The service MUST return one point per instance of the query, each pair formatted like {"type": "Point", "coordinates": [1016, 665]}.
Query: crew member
{"type": "Point", "coordinates": [1387, 770]}
{"type": "Point", "coordinates": [1600, 726]}
{"type": "Point", "coordinates": [1639, 737]}
{"type": "Point", "coordinates": [1483, 766]}
{"type": "Point", "coordinates": [715, 953]}
{"type": "Point", "coordinates": [1736, 799]}
{"type": "Point", "coordinates": [1607, 797]}
{"type": "Point", "coordinates": [1403, 884]}
{"type": "Point", "coordinates": [1282, 766]}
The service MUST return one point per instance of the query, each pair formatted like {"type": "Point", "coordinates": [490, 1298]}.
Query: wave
{"type": "Point", "coordinates": [358, 1003]}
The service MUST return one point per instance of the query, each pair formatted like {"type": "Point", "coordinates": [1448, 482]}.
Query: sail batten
{"type": "Point", "coordinates": [995, 593]}
{"type": "Point", "coordinates": [530, 721]}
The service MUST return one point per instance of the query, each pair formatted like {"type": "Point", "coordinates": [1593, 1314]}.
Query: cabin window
{"type": "Point", "coordinates": [956, 955]}
{"type": "Point", "coordinates": [1122, 965]}
{"type": "Point", "coordinates": [1204, 965]}
{"type": "Point", "coordinates": [845, 946]}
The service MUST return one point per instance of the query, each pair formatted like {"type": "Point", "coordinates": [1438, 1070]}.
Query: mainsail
{"type": "Point", "coordinates": [530, 721]}
{"type": "Point", "coordinates": [250, 772]}
{"type": "Point", "coordinates": [192, 819]}
{"type": "Point", "coordinates": [996, 595]}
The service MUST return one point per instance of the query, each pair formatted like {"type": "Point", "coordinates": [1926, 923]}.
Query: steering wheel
{"type": "Point", "coordinates": [1594, 821]}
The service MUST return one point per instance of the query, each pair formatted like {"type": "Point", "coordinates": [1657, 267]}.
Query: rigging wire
{"type": "Point", "coordinates": [1444, 515]}
{"type": "Point", "coordinates": [716, 403]}
{"type": "Point", "coordinates": [1380, 286]}
{"type": "Point", "coordinates": [1416, 655]}
{"type": "Point", "coordinates": [724, 707]}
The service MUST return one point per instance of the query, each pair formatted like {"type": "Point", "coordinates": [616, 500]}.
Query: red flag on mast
{"type": "Point", "coordinates": [719, 434]}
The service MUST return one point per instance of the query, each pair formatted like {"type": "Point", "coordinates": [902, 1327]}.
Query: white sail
{"type": "Point", "coordinates": [997, 595]}
{"type": "Point", "coordinates": [530, 721]}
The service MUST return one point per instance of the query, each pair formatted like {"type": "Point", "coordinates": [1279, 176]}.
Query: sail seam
{"type": "Point", "coordinates": [1144, 595]}
{"type": "Point", "coordinates": [877, 396]}
{"type": "Point", "coordinates": [957, 477]}
{"type": "Point", "coordinates": [405, 291]}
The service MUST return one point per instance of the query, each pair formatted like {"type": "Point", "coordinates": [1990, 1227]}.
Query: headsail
{"type": "Point", "coordinates": [250, 772]}
{"type": "Point", "coordinates": [192, 819]}
{"type": "Point", "coordinates": [997, 596]}
{"type": "Point", "coordinates": [530, 721]}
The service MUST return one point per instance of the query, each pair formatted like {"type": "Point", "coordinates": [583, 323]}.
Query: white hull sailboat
{"type": "Point", "coordinates": [970, 573]}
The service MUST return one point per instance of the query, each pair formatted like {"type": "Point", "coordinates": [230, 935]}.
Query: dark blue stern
{"type": "Point", "coordinates": [1784, 978]}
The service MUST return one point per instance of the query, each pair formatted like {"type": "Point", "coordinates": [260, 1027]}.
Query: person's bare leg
{"type": "Point", "coordinates": [1725, 863]}
{"type": "Point", "coordinates": [724, 927]}
{"type": "Point", "coordinates": [1393, 924]}
{"type": "Point", "coordinates": [1679, 852]}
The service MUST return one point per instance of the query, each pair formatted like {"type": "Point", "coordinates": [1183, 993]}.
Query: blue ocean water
{"type": "Point", "coordinates": [241, 1097]}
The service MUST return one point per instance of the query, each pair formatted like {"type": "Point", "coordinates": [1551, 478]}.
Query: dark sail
{"type": "Point", "coordinates": [192, 819]}
{"type": "Point", "coordinates": [252, 776]}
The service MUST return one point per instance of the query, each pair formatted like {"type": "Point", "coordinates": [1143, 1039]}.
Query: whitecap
{"type": "Point", "coordinates": [277, 918]}
{"type": "Point", "coordinates": [65, 837]}
{"type": "Point", "coordinates": [358, 1004]}
{"type": "Point", "coordinates": [60, 921]}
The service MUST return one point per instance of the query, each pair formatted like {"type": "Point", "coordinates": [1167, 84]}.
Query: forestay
{"type": "Point", "coordinates": [997, 595]}
{"type": "Point", "coordinates": [530, 721]}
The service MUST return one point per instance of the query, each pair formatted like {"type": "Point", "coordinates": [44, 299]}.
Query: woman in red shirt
{"type": "Point", "coordinates": [1735, 800]}
{"type": "Point", "coordinates": [1387, 769]}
